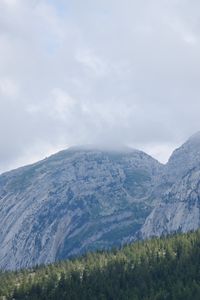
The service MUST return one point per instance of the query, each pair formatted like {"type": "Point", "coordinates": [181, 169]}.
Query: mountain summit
{"type": "Point", "coordinates": [77, 200]}
{"type": "Point", "coordinates": [179, 205]}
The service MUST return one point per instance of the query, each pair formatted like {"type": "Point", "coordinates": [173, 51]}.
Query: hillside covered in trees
{"type": "Point", "coordinates": [167, 268]}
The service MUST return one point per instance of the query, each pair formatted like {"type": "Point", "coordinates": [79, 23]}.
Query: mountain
{"type": "Point", "coordinates": [158, 269]}
{"type": "Point", "coordinates": [179, 205]}
{"type": "Point", "coordinates": [77, 200]}
{"type": "Point", "coordinates": [85, 198]}
{"type": "Point", "coordinates": [183, 159]}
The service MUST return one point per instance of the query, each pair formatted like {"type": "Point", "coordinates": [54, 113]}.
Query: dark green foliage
{"type": "Point", "coordinates": [160, 269]}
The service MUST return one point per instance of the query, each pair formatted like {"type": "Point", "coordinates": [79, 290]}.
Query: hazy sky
{"type": "Point", "coordinates": [103, 71]}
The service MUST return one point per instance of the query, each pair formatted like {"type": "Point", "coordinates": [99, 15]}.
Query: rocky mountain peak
{"type": "Point", "coordinates": [89, 197]}
{"type": "Point", "coordinates": [184, 158]}
{"type": "Point", "coordinates": [76, 200]}
{"type": "Point", "coordinates": [178, 208]}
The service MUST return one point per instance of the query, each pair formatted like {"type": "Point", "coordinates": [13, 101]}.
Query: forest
{"type": "Point", "coordinates": [165, 268]}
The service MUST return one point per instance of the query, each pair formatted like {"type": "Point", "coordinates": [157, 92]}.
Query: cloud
{"type": "Point", "coordinates": [85, 72]}
{"type": "Point", "coordinates": [8, 88]}
{"type": "Point", "coordinates": [10, 3]}
{"type": "Point", "coordinates": [92, 62]}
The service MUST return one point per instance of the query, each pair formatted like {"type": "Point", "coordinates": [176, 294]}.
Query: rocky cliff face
{"type": "Point", "coordinates": [179, 205]}
{"type": "Point", "coordinates": [86, 199]}
{"type": "Point", "coordinates": [74, 201]}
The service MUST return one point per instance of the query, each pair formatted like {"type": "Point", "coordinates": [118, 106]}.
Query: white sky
{"type": "Point", "coordinates": [105, 71]}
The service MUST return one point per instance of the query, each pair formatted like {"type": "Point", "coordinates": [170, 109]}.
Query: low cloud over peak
{"type": "Point", "coordinates": [119, 72]}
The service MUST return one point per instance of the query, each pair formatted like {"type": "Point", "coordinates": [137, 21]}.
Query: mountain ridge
{"type": "Point", "coordinates": [79, 200]}
{"type": "Point", "coordinates": [86, 148]}
{"type": "Point", "coordinates": [72, 202]}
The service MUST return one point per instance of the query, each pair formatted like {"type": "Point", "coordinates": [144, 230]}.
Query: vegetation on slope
{"type": "Point", "coordinates": [167, 268]}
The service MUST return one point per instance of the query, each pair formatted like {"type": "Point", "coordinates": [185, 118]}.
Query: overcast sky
{"type": "Point", "coordinates": [103, 71]}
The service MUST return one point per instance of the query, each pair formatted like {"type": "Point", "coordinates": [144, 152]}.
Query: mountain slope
{"type": "Point", "coordinates": [152, 270]}
{"type": "Point", "coordinates": [179, 208]}
{"type": "Point", "coordinates": [75, 201]}
{"type": "Point", "coordinates": [84, 199]}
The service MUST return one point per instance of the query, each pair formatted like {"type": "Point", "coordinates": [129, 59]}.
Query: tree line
{"type": "Point", "coordinates": [165, 268]}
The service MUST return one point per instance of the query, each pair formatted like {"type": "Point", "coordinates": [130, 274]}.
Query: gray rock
{"type": "Point", "coordinates": [85, 199]}
{"type": "Point", "coordinates": [72, 202]}
{"type": "Point", "coordinates": [179, 205]}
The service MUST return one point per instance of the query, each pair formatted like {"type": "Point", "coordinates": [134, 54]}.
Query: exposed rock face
{"type": "Point", "coordinates": [85, 199]}
{"type": "Point", "coordinates": [74, 201]}
{"type": "Point", "coordinates": [183, 159]}
{"type": "Point", "coordinates": [179, 205]}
